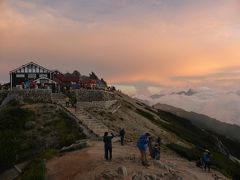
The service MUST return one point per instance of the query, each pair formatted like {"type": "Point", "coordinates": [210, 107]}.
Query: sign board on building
{"type": "Point", "coordinates": [43, 75]}
{"type": "Point", "coordinates": [32, 76]}
{"type": "Point", "coordinates": [44, 81]}
{"type": "Point", "coordinates": [20, 75]}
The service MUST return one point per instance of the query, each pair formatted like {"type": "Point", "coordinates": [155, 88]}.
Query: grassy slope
{"type": "Point", "coordinates": [200, 138]}
{"type": "Point", "coordinates": [3, 94]}
{"type": "Point", "coordinates": [33, 133]}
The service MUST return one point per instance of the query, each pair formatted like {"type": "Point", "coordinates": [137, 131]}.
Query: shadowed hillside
{"type": "Point", "coordinates": [29, 131]}
{"type": "Point", "coordinates": [3, 94]}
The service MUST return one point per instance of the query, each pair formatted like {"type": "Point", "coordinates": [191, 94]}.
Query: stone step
{"type": "Point", "coordinates": [100, 133]}
{"type": "Point", "coordinates": [80, 111]}
{"type": "Point", "coordinates": [87, 118]}
{"type": "Point", "coordinates": [102, 129]}
{"type": "Point", "coordinates": [95, 127]}
{"type": "Point", "coordinates": [83, 117]}
{"type": "Point", "coordinates": [92, 122]}
{"type": "Point", "coordinates": [81, 114]}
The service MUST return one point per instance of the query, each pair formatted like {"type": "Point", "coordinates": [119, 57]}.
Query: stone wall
{"type": "Point", "coordinates": [33, 95]}
{"type": "Point", "coordinates": [97, 104]}
{"type": "Point", "coordinates": [84, 95]}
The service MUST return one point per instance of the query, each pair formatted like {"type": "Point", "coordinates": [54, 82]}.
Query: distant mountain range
{"type": "Point", "coordinates": [190, 92]}
{"type": "Point", "coordinates": [203, 121]}
{"type": "Point", "coordinates": [223, 105]}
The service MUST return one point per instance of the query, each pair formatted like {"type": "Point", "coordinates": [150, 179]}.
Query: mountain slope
{"type": "Point", "coordinates": [179, 138]}
{"type": "Point", "coordinates": [203, 121]}
{"type": "Point", "coordinates": [177, 133]}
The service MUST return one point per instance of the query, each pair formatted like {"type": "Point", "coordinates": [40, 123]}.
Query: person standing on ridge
{"type": "Point", "coordinates": [142, 145]}
{"type": "Point", "coordinates": [151, 147]}
{"type": "Point", "coordinates": [75, 104]}
{"type": "Point", "coordinates": [206, 160]}
{"type": "Point", "coordinates": [157, 148]}
{"type": "Point", "coordinates": [108, 145]}
{"type": "Point", "coordinates": [122, 135]}
{"type": "Point", "coordinates": [156, 152]}
{"type": "Point", "coordinates": [67, 101]}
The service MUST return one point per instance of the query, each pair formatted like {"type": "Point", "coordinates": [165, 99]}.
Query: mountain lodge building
{"type": "Point", "coordinates": [34, 76]}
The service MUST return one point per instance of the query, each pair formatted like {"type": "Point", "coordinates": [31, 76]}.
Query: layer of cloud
{"type": "Point", "coordinates": [124, 41]}
{"type": "Point", "coordinates": [219, 104]}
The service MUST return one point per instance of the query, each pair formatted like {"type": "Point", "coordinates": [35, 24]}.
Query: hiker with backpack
{"type": "Point", "coordinates": [142, 145]}
{"type": "Point", "coordinates": [207, 160]}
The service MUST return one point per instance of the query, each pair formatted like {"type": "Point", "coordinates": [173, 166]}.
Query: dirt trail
{"type": "Point", "coordinates": [88, 163]}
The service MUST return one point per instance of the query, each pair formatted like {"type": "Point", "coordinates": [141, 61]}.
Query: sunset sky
{"type": "Point", "coordinates": [141, 45]}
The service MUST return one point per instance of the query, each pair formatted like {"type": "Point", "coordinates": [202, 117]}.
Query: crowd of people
{"type": "Point", "coordinates": [29, 84]}
{"type": "Point", "coordinates": [145, 142]}
{"type": "Point", "coordinates": [148, 144]}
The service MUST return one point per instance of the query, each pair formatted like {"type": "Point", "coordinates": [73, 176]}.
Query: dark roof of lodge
{"type": "Point", "coordinates": [30, 63]}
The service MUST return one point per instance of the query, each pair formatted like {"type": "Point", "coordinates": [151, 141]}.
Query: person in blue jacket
{"type": "Point", "coordinates": [142, 145]}
{"type": "Point", "coordinates": [207, 160]}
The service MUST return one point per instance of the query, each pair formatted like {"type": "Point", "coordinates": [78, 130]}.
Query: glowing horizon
{"type": "Point", "coordinates": [147, 43]}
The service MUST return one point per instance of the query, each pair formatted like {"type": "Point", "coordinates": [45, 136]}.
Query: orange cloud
{"type": "Point", "coordinates": [147, 48]}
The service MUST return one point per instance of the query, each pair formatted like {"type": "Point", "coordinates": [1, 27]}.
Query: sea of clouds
{"type": "Point", "coordinates": [223, 105]}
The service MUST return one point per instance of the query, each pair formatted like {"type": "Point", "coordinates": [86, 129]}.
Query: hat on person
{"type": "Point", "coordinates": [147, 134]}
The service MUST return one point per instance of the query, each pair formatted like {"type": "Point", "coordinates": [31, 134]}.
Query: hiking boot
{"type": "Point", "coordinates": [145, 164]}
